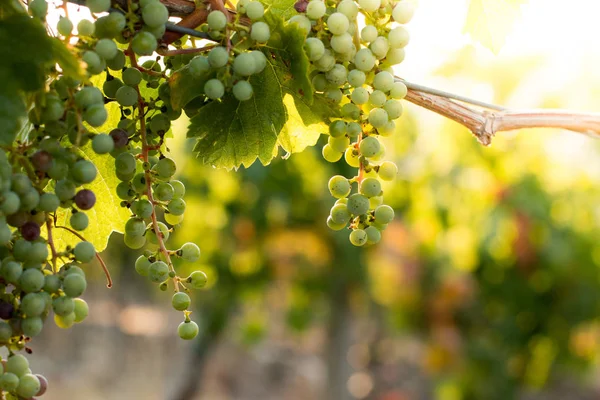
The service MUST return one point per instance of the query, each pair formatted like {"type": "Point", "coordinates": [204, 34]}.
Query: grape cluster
{"type": "Point", "coordinates": [353, 69]}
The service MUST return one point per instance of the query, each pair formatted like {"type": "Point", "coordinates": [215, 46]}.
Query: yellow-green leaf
{"type": "Point", "coordinates": [490, 21]}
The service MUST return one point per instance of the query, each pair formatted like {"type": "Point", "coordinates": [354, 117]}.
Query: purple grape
{"type": "Point", "coordinates": [43, 384]}
{"type": "Point", "coordinates": [6, 310]}
{"type": "Point", "coordinates": [41, 160]}
{"type": "Point", "coordinates": [30, 231]}
{"type": "Point", "coordinates": [85, 199]}
{"type": "Point", "coordinates": [300, 6]}
{"type": "Point", "coordinates": [120, 138]}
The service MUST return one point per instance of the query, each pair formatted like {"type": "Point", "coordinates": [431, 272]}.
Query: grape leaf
{"type": "Point", "coordinates": [281, 8]}
{"type": "Point", "coordinates": [490, 21]}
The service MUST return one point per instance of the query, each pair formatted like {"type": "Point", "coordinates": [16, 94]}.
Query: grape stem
{"type": "Point", "coordinates": [163, 52]}
{"type": "Point", "coordinates": [51, 244]}
{"type": "Point", "coordinates": [148, 177]}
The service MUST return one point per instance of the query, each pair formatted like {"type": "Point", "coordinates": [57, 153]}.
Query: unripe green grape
{"type": "Point", "coordinates": [142, 265]}
{"type": "Point", "coordinates": [180, 301]}
{"type": "Point", "coordinates": [334, 95]}
{"type": "Point", "coordinates": [319, 82]}
{"type": "Point", "coordinates": [199, 66]}
{"type": "Point", "coordinates": [88, 96]}
{"type": "Point", "coordinates": [398, 90]}
{"type": "Point", "coordinates": [197, 279]}
{"type": "Point", "coordinates": [64, 26]}
{"type": "Point", "coordinates": [11, 271]}
{"type": "Point", "coordinates": [38, 8]}
{"type": "Point", "coordinates": [351, 158]}
{"type": "Point", "coordinates": [348, 8]}
{"type": "Point", "coordinates": [95, 115]}
{"type": "Point", "coordinates": [393, 108]}
{"type": "Point", "coordinates": [337, 75]}
{"type": "Point", "coordinates": [85, 27]}
{"type": "Point", "coordinates": [338, 23]}
{"type": "Point", "coordinates": [216, 20]}
{"type": "Point", "coordinates": [339, 144]}
{"type": "Point", "coordinates": [176, 207]}
{"type": "Point", "coordinates": [103, 144]}
{"type": "Point", "coordinates": [260, 61]}
{"type": "Point", "coordinates": [173, 219]}
{"type": "Point", "coordinates": [395, 56]}
{"type": "Point", "coordinates": [342, 43]}
{"type": "Point", "coordinates": [32, 305]}
{"type": "Point", "coordinates": [384, 214]}
{"type": "Point", "coordinates": [163, 191]}
{"type": "Point", "coordinates": [370, 187]}
{"type": "Point", "coordinates": [188, 330]}
{"type": "Point", "coordinates": [160, 123]}
{"type": "Point", "coordinates": [373, 235]}
{"type": "Point", "coordinates": [368, 33]}
{"type": "Point", "coordinates": [398, 37]}
{"type": "Point", "coordinates": [110, 87]}
{"type": "Point", "coordinates": [379, 47]}
{"type": "Point", "coordinates": [21, 249]}
{"type": "Point", "coordinates": [95, 64]}
{"type": "Point", "coordinates": [315, 9]}
{"type": "Point", "coordinates": [144, 43]}
{"type": "Point", "coordinates": [151, 236]}
{"type": "Point", "coordinates": [260, 32]}
{"type": "Point", "coordinates": [155, 14]}
{"type": "Point", "coordinates": [403, 12]}
{"type": "Point", "coordinates": [351, 111]}
{"type": "Point", "coordinates": [9, 381]}
{"type": "Point", "coordinates": [84, 171]}
{"type": "Point", "coordinates": [330, 155]}
{"type": "Point", "coordinates": [98, 6]}
{"type": "Point", "coordinates": [81, 310]}
{"type": "Point", "coordinates": [383, 81]}
{"type": "Point", "coordinates": [79, 221]}
{"type": "Point", "coordinates": [326, 62]}
{"type": "Point", "coordinates": [84, 252]}
{"type": "Point", "coordinates": [369, 5]}
{"type": "Point", "coordinates": [302, 22]}
{"type": "Point", "coordinates": [116, 63]}
{"type": "Point", "coordinates": [64, 322]}
{"type": "Point", "coordinates": [358, 237]}
{"type": "Point", "coordinates": [165, 168]}
{"type": "Point", "coordinates": [190, 252]}
{"type": "Point", "coordinates": [255, 10]}
{"type": "Point", "coordinates": [5, 234]}
{"type": "Point", "coordinates": [126, 96]}
{"type": "Point", "coordinates": [360, 96]}
{"type": "Point", "coordinates": [314, 47]}
{"type": "Point", "coordinates": [339, 186]}
{"type": "Point", "coordinates": [31, 280]}
{"type": "Point", "coordinates": [243, 91]}
{"type": "Point", "coordinates": [132, 76]}
{"type": "Point", "coordinates": [30, 200]}
{"type": "Point", "coordinates": [74, 285]}
{"type": "Point", "coordinates": [356, 78]}
{"type": "Point", "coordinates": [158, 271]}
{"type": "Point", "coordinates": [364, 60]}
{"type": "Point", "coordinates": [340, 214]}
{"type": "Point", "coordinates": [135, 227]}
{"type": "Point", "coordinates": [125, 162]}
{"type": "Point", "coordinates": [32, 326]}
{"type": "Point", "coordinates": [106, 49]}
{"type": "Point", "coordinates": [387, 130]}
{"type": "Point", "coordinates": [244, 65]}
{"type": "Point", "coordinates": [375, 202]}
{"type": "Point", "coordinates": [52, 283]}
{"type": "Point", "coordinates": [337, 128]}
{"type": "Point", "coordinates": [214, 89]}
{"type": "Point", "coordinates": [138, 183]}
{"type": "Point", "coordinates": [144, 207]}
{"type": "Point", "coordinates": [369, 146]}
{"type": "Point", "coordinates": [17, 364]}
{"type": "Point", "coordinates": [10, 203]}
{"type": "Point", "coordinates": [358, 204]}
{"type": "Point", "coordinates": [378, 117]}
{"type": "Point", "coordinates": [334, 226]}
{"type": "Point", "coordinates": [5, 335]}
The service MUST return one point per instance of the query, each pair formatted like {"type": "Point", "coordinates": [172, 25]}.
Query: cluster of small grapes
{"type": "Point", "coordinates": [233, 61]}
{"type": "Point", "coordinates": [354, 69]}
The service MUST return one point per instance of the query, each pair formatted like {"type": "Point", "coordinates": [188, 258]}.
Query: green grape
{"type": "Point", "coordinates": [17, 365]}
{"type": "Point", "coordinates": [21, 249]}
{"type": "Point", "coordinates": [403, 12]}
{"type": "Point", "coordinates": [10, 203]}
{"type": "Point", "coordinates": [373, 235]}
{"type": "Point", "coordinates": [340, 214]}
{"type": "Point", "coordinates": [352, 158]}
{"type": "Point", "coordinates": [158, 271]}
{"type": "Point", "coordinates": [255, 10]}
{"type": "Point", "coordinates": [326, 62]}
{"type": "Point", "coordinates": [110, 87]}
{"type": "Point", "coordinates": [116, 63]}
{"type": "Point", "coordinates": [260, 32]}
{"type": "Point", "coordinates": [214, 89]}
{"type": "Point", "coordinates": [98, 6]}
{"type": "Point", "coordinates": [52, 283]}
{"type": "Point", "coordinates": [29, 384]}
{"type": "Point", "coordinates": [395, 56]}
{"type": "Point", "coordinates": [313, 46]}
{"type": "Point", "coordinates": [243, 91]}
{"type": "Point", "coordinates": [319, 82]}
{"type": "Point", "coordinates": [379, 47]}
{"type": "Point", "coordinates": [398, 37]}
{"type": "Point", "coordinates": [378, 117]}
{"type": "Point", "coordinates": [74, 285]}
{"type": "Point", "coordinates": [375, 201]}
{"type": "Point", "coordinates": [84, 171]}
{"type": "Point", "coordinates": [84, 252]}
{"type": "Point", "coordinates": [64, 322]}
{"type": "Point", "coordinates": [38, 252]}
{"type": "Point", "coordinates": [369, 5]}
{"type": "Point", "coordinates": [38, 8]}
{"type": "Point", "coordinates": [32, 326]}
{"type": "Point", "coordinates": [126, 163]}
{"type": "Point", "coordinates": [63, 305]}
{"type": "Point", "coordinates": [106, 49]}
{"type": "Point", "coordinates": [151, 235]}
{"type": "Point", "coordinates": [368, 33]}
{"type": "Point", "coordinates": [134, 242]}
{"type": "Point", "coordinates": [95, 64]}
{"type": "Point", "coordinates": [9, 382]}
{"type": "Point", "coordinates": [165, 168]}
{"type": "Point", "coordinates": [160, 123]}
{"type": "Point", "coordinates": [369, 146]}
{"type": "Point", "coordinates": [315, 9]}
{"type": "Point", "coordinates": [190, 252]}
{"type": "Point", "coordinates": [339, 144]}
{"type": "Point", "coordinates": [135, 227]}
{"type": "Point", "coordinates": [337, 75]}
{"type": "Point", "coordinates": [330, 155]}
{"type": "Point", "coordinates": [49, 202]}
{"type": "Point", "coordinates": [302, 22]}
{"type": "Point", "coordinates": [244, 64]}
{"type": "Point", "coordinates": [32, 305]}
{"type": "Point", "coordinates": [132, 76]}
{"type": "Point", "coordinates": [125, 192]}
{"type": "Point", "coordinates": [95, 115]}
{"type": "Point", "coordinates": [358, 204]}
{"type": "Point", "coordinates": [384, 214]}
{"type": "Point", "coordinates": [348, 8]}
{"type": "Point", "coordinates": [180, 301]}
{"type": "Point", "coordinates": [360, 96]}
{"type": "Point", "coordinates": [187, 330]}
{"type": "Point", "coordinates": [358, 237]}
{"type": "Point", "coordinates": [398, 90]}
{"type": "Point", "coordinates": [383, 81]}
{"type": "Point", "coordinates": [333, 226]}
{"type": "Point", "coordinates": [138, 183]}
{"type": "Point", "coordinates": [103, 144]}
{"type": "Point", "coordinates": [84, 27]}
{"type": "Point", "coordinates": [260, 60]}
{"type": "Point", "coordinates": [163, 191]}
{"type": "Point", "coordinates": [388, 129]}
{"type": "Point", "coordinates": [342, 43]}
{"type": "Point", "coordinates": [334, 95]}
{"type": "Point", "coordinates": [339, 186]}
{"type": "Point", "coordinates": [370, 187]}
{"type": "Point", "coordinates": [81, 310]}
{"type": "Point", "coordinates": [155, 14]}
{"type": "Point", "coordinates": [64, 26]}
{"type": "Point", "coordinates": [144, 43]}
{"type": "Point", "coordinates": [218, 57]}
{"type": "Point", "coordinates": [172, 219]}
{"type": "Point", "coordinates": [88, 96]}
{"type": "Point", "coordinates": [31, 280]}
{"type": "Point", "coordinates": [142, 265]}
{"type": "Point", "coordinates": [5, 335]}
{"type": "Point", "coordinates": [5, 234]}
{"type": "Point", "coordinates": [199, 65]}
{"type": "Point", "coordinates": [11, 271]}
{"type": "Point", "coordinates": [197, 279]}
{"type": "Point", "coordinates": [126, 96]}
{"type": "Point", "coordinates": [338, 23]}
{"type": "Point", "coordinates": [351, 111]}
{"type": "Point", "coordinates": [393, 108]}
{"type": "Point", "coordinates": [337, 128]}
{"type": "Point", "coordinates": [144, 208]}
{"type": "Point", "coordinates": [176, 207]}
{"type": "Point", "coordinates": [364, 60]}
{"type": "Point", "coordinates": [216, 20]}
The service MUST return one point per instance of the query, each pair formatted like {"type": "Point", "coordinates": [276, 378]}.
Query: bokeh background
{"type": "Point", "coordinates": [485, 287]}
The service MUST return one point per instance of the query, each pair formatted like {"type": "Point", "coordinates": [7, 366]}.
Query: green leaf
{"type": "Point", "coordinates": [106, 216]}
{"type": "Point", "coordinates": [185, 87]}
{"type": "Point", "coordinates": [490, 21]}
{"type": "Point", "coordinates": [281, 8]}
{"type": "Point", "coordinates": [69, 63]}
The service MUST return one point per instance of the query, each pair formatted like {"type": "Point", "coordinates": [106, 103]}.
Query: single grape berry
{"type": "Point", "coordinates": [102, 144]}
{"type": "Point", "coordinates": [119, 137]}
{"type": "Point", "coordinates": [142, 265]}
{"type": "Point", "coordinates": [30, 231]}
{"type": "Point", "coordinates": [6, 310]}
{"type": "Point", "coordinates": [84, 252]}
{"type": "Point", "coordinates": [180, 301]}
{"type": "Point", "coordinates": [85, 199]}
{"type": "Point", "coordinates": [188, 330]}
{"type": "Point", "coordinates": [358, 237]}
{"type": "Point", "coordinates": [216, 20]}
{"type": "Point", "coordinates": [243, 90]}
{"type": "Point", "coordinates": [158, 271]}
{"type": "Point", "coordinates": [370, 187]}
{"type": "Point", "coordinates": [190, 252]}
{"type": "Point", "coordinates": [339, 186]}
{"type": "Point", "coordinates": [384, 214]}
{"type": "Point", "coordinates": [81, 310]}
{"type": "Point", "coordinates": [79, 221]}
{"type": "Point", "coordinates": [197, 279]}
{"type": "Point", "coordinates": [358, 204]}
{"type": "Point", "coordinates": [41, 160]}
